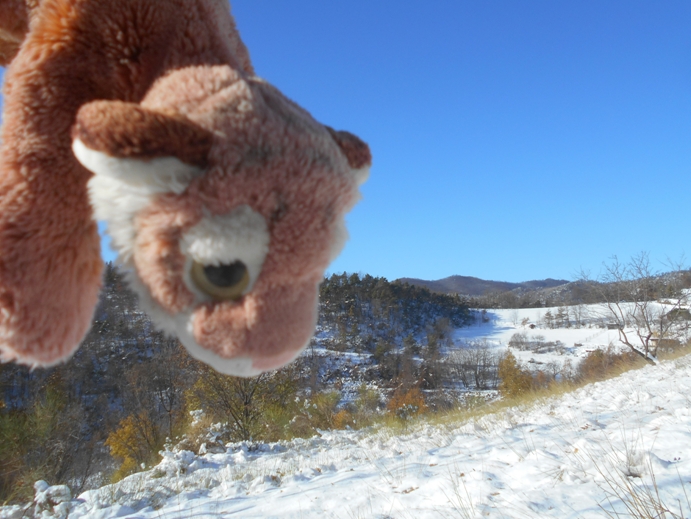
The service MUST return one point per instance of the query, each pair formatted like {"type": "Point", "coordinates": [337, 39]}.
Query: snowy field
{"type": "Point", "coordinates": [503, 323]}
{"type": "Point", "coordinates": [566, 457]}
{"type": "Point", "coordinates": [587, 331]}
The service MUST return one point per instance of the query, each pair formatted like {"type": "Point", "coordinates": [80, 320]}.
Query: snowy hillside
{"type": "Point", "coordinates": [569, 457]}
{"type": "Point", "coordinates": [552, 338]}
{"type": "Point", "coordinates": [586, 330]}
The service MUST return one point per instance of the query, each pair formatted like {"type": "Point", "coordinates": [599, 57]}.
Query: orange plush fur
{"type": "Point", "coordinates": [193, 161]}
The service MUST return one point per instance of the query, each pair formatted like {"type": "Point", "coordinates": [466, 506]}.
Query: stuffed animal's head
{"type": "Point", "coordinates": [226, 200]}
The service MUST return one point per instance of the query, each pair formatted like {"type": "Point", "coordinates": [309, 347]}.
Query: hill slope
{"type": "Point", "coordinates": [576, 456]}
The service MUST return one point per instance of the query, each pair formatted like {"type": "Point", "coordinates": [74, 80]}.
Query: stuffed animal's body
{"type": "Point", "coordinates": [224, 199]}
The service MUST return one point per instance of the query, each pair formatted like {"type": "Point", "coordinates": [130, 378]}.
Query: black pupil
{"type": "Point", "coordinates": [225, 275]}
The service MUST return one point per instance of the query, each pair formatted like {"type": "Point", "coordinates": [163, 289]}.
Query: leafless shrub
{"type": "Point", "coordinates": [535, 343]}
{"type": "Point", "coordinates": [475, 364]}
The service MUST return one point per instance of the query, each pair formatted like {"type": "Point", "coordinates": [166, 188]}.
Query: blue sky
{"type": "Point", "coordinates": [511, 140]}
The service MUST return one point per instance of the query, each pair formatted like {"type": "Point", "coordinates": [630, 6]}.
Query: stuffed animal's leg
{"type": "Point", "coordinates": [77, 51]}
{"type": "Point", "coordinates": [50, 265]}
{"type": "Point", "coordinates": [14, 22]}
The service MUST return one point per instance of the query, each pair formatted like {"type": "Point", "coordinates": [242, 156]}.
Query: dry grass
{"type": "Point", "coordinates": [630, 485]}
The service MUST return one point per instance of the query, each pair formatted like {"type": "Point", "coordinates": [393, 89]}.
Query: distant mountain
{"type": "Point", "coordinates": [471, 286]}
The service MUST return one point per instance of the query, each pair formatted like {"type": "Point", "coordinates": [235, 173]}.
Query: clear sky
{"type": "Point", "coordinates": [511, 140]}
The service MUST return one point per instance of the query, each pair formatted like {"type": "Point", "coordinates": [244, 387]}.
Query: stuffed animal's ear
{"type": "Point", "coordinates": [356, 151]}
{"type": "Point", "coordinates": [139, 146]}
{"type": "Point", "coordinates": [14, 24]}
{"type": "Point", "coordinates": [128, 130]}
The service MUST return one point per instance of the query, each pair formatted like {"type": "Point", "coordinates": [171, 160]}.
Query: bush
{"type": "Point", "coordinates": [136, 441]}
{"type": "Point", "coordinates": [12, 436]}
{"type": "Point", "coordinates": [600, 364]}
{"type": "Point", "coordinates": [475, 364]}
{"type": "Point", "coordinates": [201, 430]}
{"type": "Point", "coordinates": [542, 380]}
{"type": "Point", "coordinates": [343, 419]}
{"type": "Point", "coordinates": [40, 442]}
{"type": "Point", "coordinates": [317, 412]}
{"type": "Point", "coordinates": [535, 343]}
{"type": "Point", "coordinates": [406, 404]}
{"type": "Point", "coordinates": [519, 340]}
{"type": "Point", "coordinates": [255, 408]}
{"type": "Point", "coordinates": [515, 381]}
{"type": "Point", "coordinates": [366, 406]}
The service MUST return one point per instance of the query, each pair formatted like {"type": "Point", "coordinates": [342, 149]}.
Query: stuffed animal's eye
{"type": "Point", "coordinates": [221, 282]}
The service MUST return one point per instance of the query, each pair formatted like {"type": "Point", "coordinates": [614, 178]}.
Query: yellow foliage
{"type": "Point", "coordinates": [602, 364]}
{"type": "Point", "coordinates": [514, 380]}
{"type": "Point", "coordinates": [135, 441]}
{"type": "Point", "coordinates": [407, 403]}
{"type": "Point", "coordinates": [324, 409]}
{"type": "Point", "coordinates": [342, 419]}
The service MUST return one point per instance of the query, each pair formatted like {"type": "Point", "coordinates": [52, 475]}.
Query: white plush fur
{"type": "Point", "coordinates": [159, 175]}
{"type": "Point", "coordinates": [360, 175]}
{"type": "Point", "coordinates": [341, 232]}
{"type": "Point", "coordinates": [120, 188]}
{"type": "Point", "coordinates": [223, 239]}
{"type": "Point", "coordinates": [339, 239]}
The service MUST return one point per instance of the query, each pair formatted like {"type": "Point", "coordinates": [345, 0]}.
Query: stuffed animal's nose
{"type": "Point", "coordinates": [270, 326]}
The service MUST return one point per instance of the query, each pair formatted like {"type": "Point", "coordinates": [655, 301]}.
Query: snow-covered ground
{"type": "Point", "coordinates": [566, 457]}
{"type": "Point", "coordinates": [577, 339]}
{"type": "Point", "coordinates": [503, 323]}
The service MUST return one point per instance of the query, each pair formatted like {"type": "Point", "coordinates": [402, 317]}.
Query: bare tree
{"type": "Point", "coordinates": [580, 314]}
{"type": "Point", "coordinates": [514, 317]}
{"type": "Point", "coordinates": [243, 402]}
{"type": "Point", "coordinates": [475, 364]}
{"type": "Point", "coordinates": [648, 308]}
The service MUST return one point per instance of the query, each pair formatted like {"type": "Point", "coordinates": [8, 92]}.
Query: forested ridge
{"type": "Point", "coordinates": [368, 308]}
